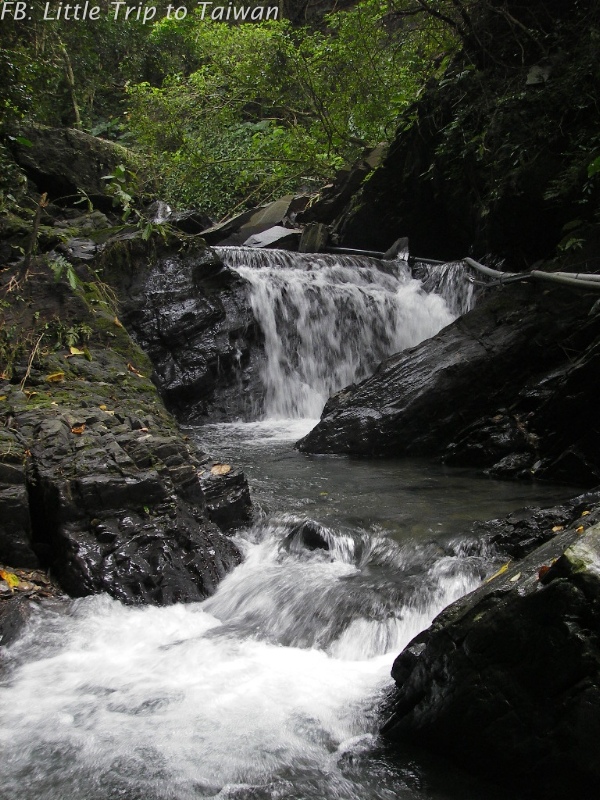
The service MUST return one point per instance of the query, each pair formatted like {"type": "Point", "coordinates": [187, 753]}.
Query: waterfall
{"type": "Point", "coordinates": [329, 320]}
{"type": "Point", "coordinates": [450, 281]}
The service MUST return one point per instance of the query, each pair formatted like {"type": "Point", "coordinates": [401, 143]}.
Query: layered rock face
{"type": "Point", "coordinates": [507, 680]}
{"type": "Point", "coordinates": [98, 484]}
{"type": "Point", "coordinates": [108, 495]}
{"type": "Point", "coordinates": [192, 317]}
{"type": "Point", "coordinates": [508, 387]}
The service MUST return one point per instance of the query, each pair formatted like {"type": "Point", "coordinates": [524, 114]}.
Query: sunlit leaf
{"type": "Point", "coordinates": [220, 469]}
{"type": "Point", "coordinates": [10, 578]}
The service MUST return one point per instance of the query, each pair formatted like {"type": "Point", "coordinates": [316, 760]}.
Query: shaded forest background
{"type": "Point", "coordinates": [491, 109]}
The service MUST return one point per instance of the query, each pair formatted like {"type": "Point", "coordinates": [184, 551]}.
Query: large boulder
{"type": "Point", "coordinates": [508, 387]}
{"type": "Point", "coordinates": [97, 482]}
{"type": "Point", "coordinates": [113, 497]}
{"type": "Point", "coordinates": [506, 681]}
{"type": "Point", "coordinates": [192, 316]}
{"type": "Point", "coordinates": [68, 164]}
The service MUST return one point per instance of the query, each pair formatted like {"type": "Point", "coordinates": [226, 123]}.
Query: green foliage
{"type": "Point", "coordinates": [258, 110]}
{"type": "Point", "coordinates": [121, 185]}
{"type": "Point", "coordinates": [50, 66]}
{"type": "Point", "coordinates": [65, 335]}
{"type": "Point", "coordinates": [62, 268]}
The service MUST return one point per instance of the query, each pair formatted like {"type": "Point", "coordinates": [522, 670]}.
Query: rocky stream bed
{"type": "Point", "coordinates": [101, 487]}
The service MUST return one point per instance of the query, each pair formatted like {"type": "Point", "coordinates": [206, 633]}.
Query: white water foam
{"type": "Point", "coordinates": [266, 683]}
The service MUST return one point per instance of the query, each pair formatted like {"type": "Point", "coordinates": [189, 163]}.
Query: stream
{"type": "Point", "coordinates": [270, 689]}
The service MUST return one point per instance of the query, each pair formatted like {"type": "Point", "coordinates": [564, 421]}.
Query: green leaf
{"type": "Point", "coordinates": [21, 140]}
{"type": "Point", "coordinates": [593, 167]}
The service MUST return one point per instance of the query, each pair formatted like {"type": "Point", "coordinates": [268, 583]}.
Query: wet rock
{"type": "Point", "coordinates": [507, 680]}
{"type": "Point", "coordinates": [308, 535]}
{"type": "Point", "coordinates": [14, 613]}
{"type": "Point", "coordinates": [227, 497]}
{"type": "Point", "coordinates": [193, 317]}
{"type": "Point", "coordinates": [15, 525]}
{"type": "Point", "coordinates": [99, 484]}
{"type": "Point", "coordinates": [522, 531]}
{"type": "Point", "coordinates": [491, 440]}
{"type": "Point", "coordinates": [492, 390]}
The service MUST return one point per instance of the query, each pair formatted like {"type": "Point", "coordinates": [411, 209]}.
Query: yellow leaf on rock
{"type": "Point", "coordinates": [133, 369]}
{"type": "Point", "coordinates": [56, 377]}
{"type": "Point", "coordinates": [501, 571]}
{"type": "Point", "coordinates": [75, 351]}
{"type": "Point", "coordinates": [118, 322]}
{"type": "Point", "coordinates": [103, 407]}
{"type": "Point", "coordinates": [580, 529]}
{"type": "Point", "coordinates": [2, 397]}
{"type": "Point", "coordinates": [10, 578]}
{"type": "Point", "coordinates": [585, 513]}
{"type": "Point", "coordinates": [220, 469]}
{"type": "Point", "coordinates": [557, 528]}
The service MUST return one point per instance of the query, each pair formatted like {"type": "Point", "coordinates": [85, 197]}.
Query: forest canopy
{"type": "Point", "coordinates": [226, 114]}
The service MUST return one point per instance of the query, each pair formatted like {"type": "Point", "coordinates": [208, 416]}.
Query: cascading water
{"type": "Point", "coordinates": [328, 321]}
{"type": "Point", "coordinates": [270, 689]}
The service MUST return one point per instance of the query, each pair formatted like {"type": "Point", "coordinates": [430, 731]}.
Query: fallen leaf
{"type": "Point", "coordinates": [580, 529]}
{"type": "Point", "coordinates": [501, 571]}
{"type": "Point", "coordinates": [118, 322]}
{"type": "Point", "coordinates": [10, 578]}
{"type": "Point", "coordinates": [220, 469]}
{"type": "Point", "coordinates": [557, 528]}
{"type": "Point", "coordinates": [103, 407]}
{"type": "Point", "coordinates": [543, 571]}
{"type": "Point", "coordinates": [3, 397]}
{"type": "Point", "coordinates": [75, 351]}
{"type": "Point", "coordinates": [585, 513]}
{"type": "Point", "coordinates": [56, 377]}
{"type": "Point", "coordinates": [133, 369]}
{"type": "Point", "coordinates": [78, 429]}
{"type": "Point", "coordinates": [515, 578]}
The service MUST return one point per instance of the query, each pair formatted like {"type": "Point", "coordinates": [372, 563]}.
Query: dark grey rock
{"type": "Point", "coordinates": [522, 531]}
{"type": "Point", "coordinates": [227, 498]}
{"type": "Point", "coordinates": [15, 523]}
{"type": "Point", "coordinates": [65, 162]}
{"type": "Point", "coordinates": [193, 317]}
{"type": "Point", "coordinates": [307, 535]}
{"type": "Point", "coordinates": [14, 613]}
{"type": "Point", "coordinates": [493, 390]}
{"type": "Point", "coordinates": [110, 500]}
{"type": "Point", "coordinates": [507, 680]}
